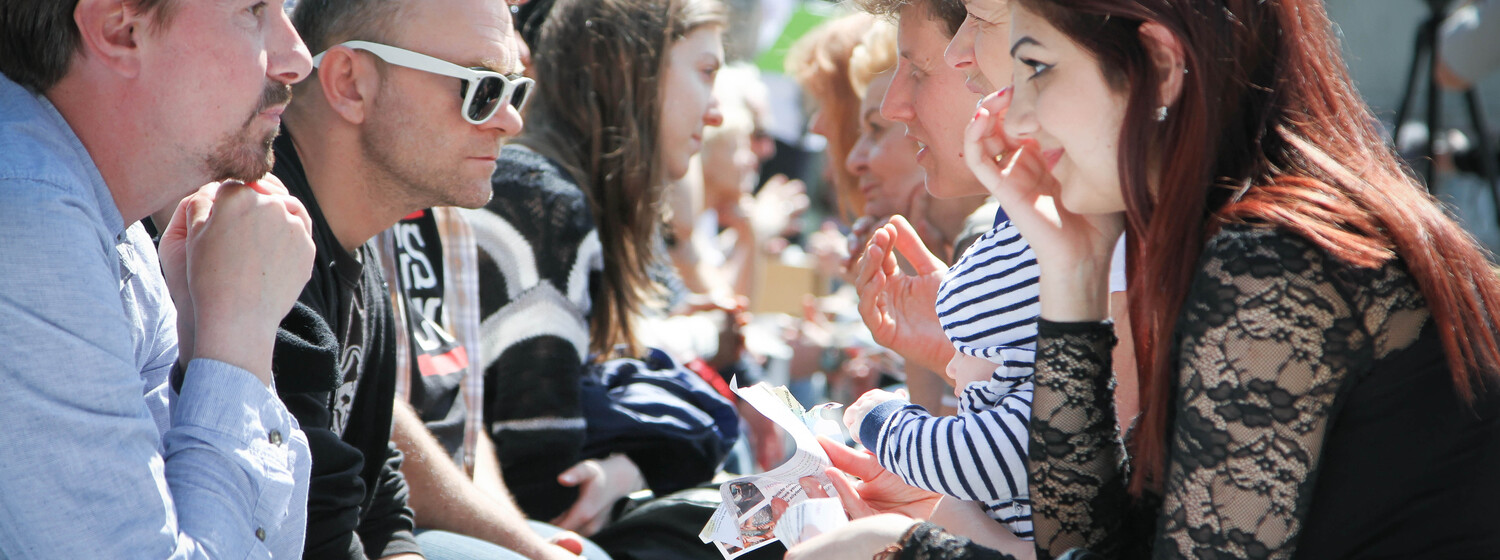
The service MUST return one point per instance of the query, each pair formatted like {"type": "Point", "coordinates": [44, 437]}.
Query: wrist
{"type": "Point", "coordinates": [893, 551]}
{"type": "Point", "coordinates": [1075, 293]}
{"type": "Point", "coordinates": [243, 348]}
{"type": "Point", "coordinates": [626, 472]}
{"type": "Point", "coordinates": [872, 421]}
{"type": "Point", "coordinates": [185, 340]}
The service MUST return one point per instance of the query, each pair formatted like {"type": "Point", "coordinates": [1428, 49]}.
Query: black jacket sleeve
{"type": "Point", "coordinates": [389, 524]}
{"type": "Point", "coordinates": [305, 362]}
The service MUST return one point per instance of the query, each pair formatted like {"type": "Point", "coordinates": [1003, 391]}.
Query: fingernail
{"type": "Point", "coordinates": [1003, 91]}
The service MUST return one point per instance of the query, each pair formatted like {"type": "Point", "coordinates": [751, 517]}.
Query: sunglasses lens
{"type": "Point", "coordinates": [522, 91]}
{"type": "Point", "coordinates": [486, 99]}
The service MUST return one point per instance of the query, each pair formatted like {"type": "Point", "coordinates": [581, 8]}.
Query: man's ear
{"type": "Point", "coordinates": [348, 83]}
{"type": "Point", "coordinates": [1166, 53]}
{"type": "Point", "coordinates": [109, 31]}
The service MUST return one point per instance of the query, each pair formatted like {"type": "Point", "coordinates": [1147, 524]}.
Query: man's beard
{"type": "Point", "coordinates": [246, 155]}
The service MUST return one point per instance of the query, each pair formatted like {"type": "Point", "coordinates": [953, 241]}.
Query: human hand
{"type": "Point", "coordinates": [778, 206]}
{"type": "Point", "coordinates": [861, 539]}
{"type": "Point", "coordinates": [601, 482]}
{"type": "Point", "coordinates": [246, 252]}
{"type": "Point", "coordinates": [171, 250]}
{"type": "Point", "coordinates": [877, 491]}
{"type": "Point", "coordinates": [735, 215]}
{"type": "Point", "coordinates": [830, 250]}
{"type": "Point", "coordinates": [900, 309]}
{"type": "Point", "coordinates": [731, 346]}
{"type": "Point", "coordinates": [854, 415]}
{"type": "Point", "coordinates": [566, 545]}
{"type": "Point", "coordinates": [1073, 251]}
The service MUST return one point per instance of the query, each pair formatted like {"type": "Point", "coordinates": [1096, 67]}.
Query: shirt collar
{"type": "Point", "coordinates": [51, 126]}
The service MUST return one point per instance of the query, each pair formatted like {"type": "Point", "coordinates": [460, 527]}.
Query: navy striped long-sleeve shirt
{"type": "Point", "coordinates": [988, 307]}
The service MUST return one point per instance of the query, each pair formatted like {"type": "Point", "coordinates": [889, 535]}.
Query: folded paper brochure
{"type": "Point", "coordinates": [760, 509]}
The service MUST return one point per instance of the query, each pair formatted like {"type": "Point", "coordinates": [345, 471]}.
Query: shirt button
{"type": "Point", "coordinates": [275, 437]}
{"type": "Point", "coordinates": [260, 534]}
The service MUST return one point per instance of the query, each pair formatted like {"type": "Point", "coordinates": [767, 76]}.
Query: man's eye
{"type": "Point", "coordinates": [258, 9]}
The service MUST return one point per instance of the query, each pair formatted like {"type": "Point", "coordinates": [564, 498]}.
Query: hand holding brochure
{"type": "Point", "coordinates": [755, 507]}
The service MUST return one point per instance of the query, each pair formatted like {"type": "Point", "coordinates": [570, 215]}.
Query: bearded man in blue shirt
{"type": "Point", "coordinates": [137, 395]}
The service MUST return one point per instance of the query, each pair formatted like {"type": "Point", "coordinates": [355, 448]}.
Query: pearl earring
{"type": "Point", "coordinates": [1161, 113]}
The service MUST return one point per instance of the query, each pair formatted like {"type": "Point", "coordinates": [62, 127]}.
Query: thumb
{"type": "Point", "coordinates": [577, 474]}
{"type": "Point", "coordinates": [569, 541]}
{"type": "Point", "coordinates": [909, 244]}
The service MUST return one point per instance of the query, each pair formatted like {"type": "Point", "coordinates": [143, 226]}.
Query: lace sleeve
{"type": "Point", "coordinates": [925, 541]}
{"type": "Point", "coordinates": [1268, 339]}
{"type": "Point", "coordinates": [1270, 333]}
{"type": "Point", "coordinates": [1077, 488]}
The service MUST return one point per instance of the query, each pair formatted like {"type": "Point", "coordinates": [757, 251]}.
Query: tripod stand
{"type": "Point", "coordinates": [1426, 49]}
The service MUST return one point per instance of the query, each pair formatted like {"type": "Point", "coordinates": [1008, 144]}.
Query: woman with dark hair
{"type": "Point", "coordinates": [1316, 339]}
{"type": "Point", "coordinates": [566, 245]}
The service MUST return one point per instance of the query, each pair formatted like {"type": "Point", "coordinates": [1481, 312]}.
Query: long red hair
{"type": "Point", "coordinates": [1268, 129]}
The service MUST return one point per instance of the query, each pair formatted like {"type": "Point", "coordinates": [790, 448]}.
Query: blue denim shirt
{"type": "Point", "coordinates": [99, 457]}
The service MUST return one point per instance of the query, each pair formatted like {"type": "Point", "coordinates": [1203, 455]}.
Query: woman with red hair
{"type": "Point", "coordinates": [1316, 339]}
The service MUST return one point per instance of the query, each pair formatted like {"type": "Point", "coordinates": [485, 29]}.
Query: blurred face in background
{"type": "Point", "coordinates": [730, 166]}
{"type": "Point", "coordinates": [884, 159]}
{"type": "Point", "coordinates": [929, 97]}
{"type": "Point", "coordinates": [687, 100]}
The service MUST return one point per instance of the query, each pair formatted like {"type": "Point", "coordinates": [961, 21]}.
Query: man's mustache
{"type": "Point", "coordinates": [274, 94]}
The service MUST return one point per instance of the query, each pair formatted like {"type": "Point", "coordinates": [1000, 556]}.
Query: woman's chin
{"type": "Point", "coordinates": [1084, 200]}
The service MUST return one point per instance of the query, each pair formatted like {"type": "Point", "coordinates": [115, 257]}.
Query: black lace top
{"type": "Point", "coordinates": [1314, 417]}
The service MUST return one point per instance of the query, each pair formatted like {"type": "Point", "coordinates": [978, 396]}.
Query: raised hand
{"type": "Point", "coordinates": [171, 250]}
{"type": "Point", "coordinates": [245, 252]}
{"type": "Point", "coordinates": [1073, 250]}
{"type": "Point", "coordinates": [778, 206]}
{"type": "Point", "coordinates": [900, 309]}
{"type": "Point", "coordinates": [566, 545]}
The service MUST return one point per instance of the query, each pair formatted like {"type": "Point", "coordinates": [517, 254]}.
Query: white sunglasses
{"type": "Point", "coordinates": [483, 91]}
